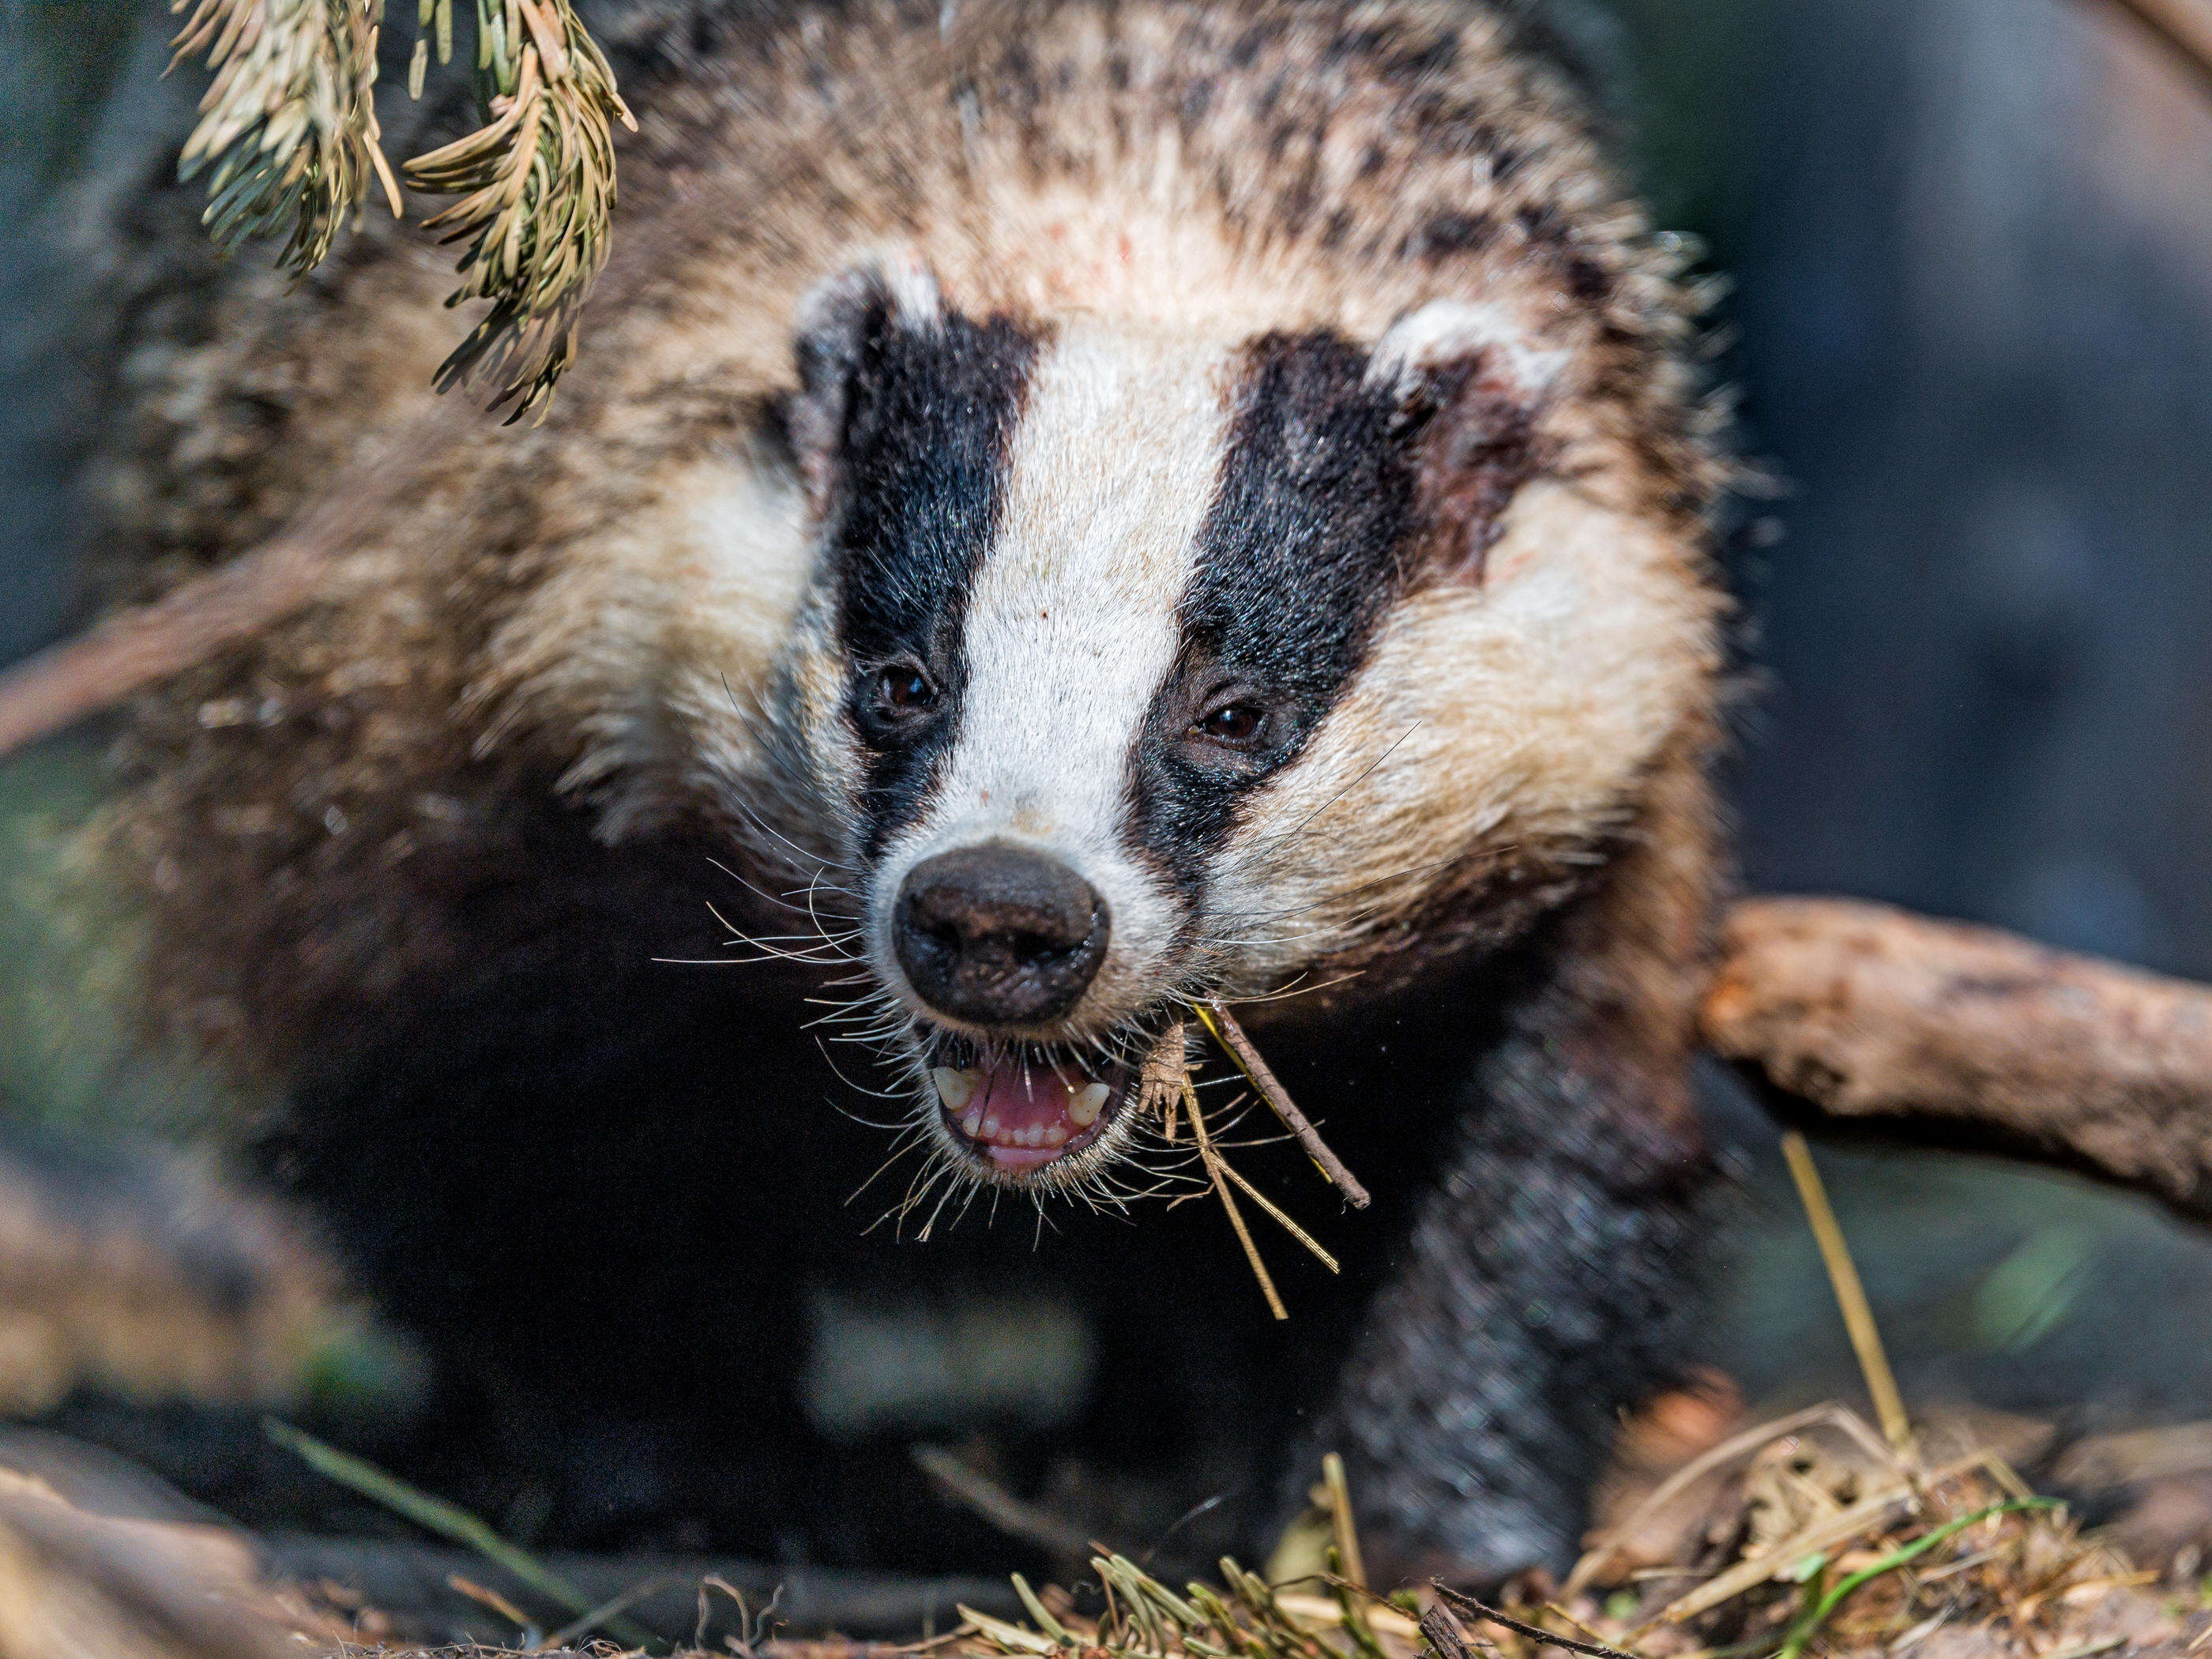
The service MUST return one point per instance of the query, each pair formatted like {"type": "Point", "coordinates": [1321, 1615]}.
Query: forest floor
{"type": "Point", "coordinates": [1808, 1535]}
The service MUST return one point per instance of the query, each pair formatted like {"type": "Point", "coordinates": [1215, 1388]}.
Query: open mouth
{"type": "Point", "coordinates": [1020, 1111]}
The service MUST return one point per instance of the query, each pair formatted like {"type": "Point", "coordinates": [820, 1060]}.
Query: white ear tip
{"type": "Point", "coordinates": [1445, 331]}
{"type": "Point", "coordinates": [915, 297]}
{"type": "Point", "coordinates": [897, 274]}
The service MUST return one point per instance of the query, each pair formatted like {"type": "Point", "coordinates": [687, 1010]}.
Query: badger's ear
{"type": "Point", "coordinates": [844, 326]}
{"type": "Point", "coordinates": [1470, 386]}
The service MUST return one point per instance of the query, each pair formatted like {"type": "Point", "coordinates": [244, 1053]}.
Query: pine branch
{"type": "Point", "coordinates": [538, 190]}
{"type": "Point", "coordinates": [289, 125]}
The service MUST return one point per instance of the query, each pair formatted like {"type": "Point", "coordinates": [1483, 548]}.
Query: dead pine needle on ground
{"type": "Point", "coordinates": [1816, 1541]}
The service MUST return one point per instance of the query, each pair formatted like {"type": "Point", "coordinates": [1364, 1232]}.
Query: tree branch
{"type": "Point", "coordinates": [1972, 1038]}
{"type": "Point", "coordinates": [150, 643]}
{"type": "Point", "coordinates": [2183, 27]}
{"type": "Point", "coordinates": [302, 563]}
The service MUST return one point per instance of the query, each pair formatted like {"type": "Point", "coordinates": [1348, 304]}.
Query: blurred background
{"type": "Point", "coordinates": [1969, 251]}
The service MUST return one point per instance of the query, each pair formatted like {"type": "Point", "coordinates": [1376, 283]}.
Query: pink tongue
{"type": "Point", "coordinates": [1018, 1101]}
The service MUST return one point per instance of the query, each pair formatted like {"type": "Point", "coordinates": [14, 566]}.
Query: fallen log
{"type": "Point", "coordinates": [73, 1582]}
{"type": "Point", "coordinates": [1857, 1016]}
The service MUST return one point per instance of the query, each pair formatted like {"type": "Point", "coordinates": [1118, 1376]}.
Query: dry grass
{"type": "Point", "coordinates": [1814, 1538]}
{"type": "Point", "coordinates": [1810, 1537]}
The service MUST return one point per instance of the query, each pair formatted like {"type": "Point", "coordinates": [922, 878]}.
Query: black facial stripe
{"type": "Point", "coordinates": [1307, 543]}
{"type": "Point", "coordinates": [919, 473]}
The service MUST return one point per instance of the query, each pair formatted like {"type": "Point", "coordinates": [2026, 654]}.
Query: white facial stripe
{"type": "Point", "coordinates": [1070, 625]}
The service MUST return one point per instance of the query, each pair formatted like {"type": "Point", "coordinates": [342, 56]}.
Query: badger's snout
{"type": "Point", "coordinates": [999, 935]}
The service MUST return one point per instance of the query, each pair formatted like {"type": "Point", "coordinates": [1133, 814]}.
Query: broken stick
{"type": "Point", "coordinates": [1971, 1038]}
{"type": "Point", "coordinates": [1214, 1168]}
{"type": "Point", "coordinates": [1214, 1014]}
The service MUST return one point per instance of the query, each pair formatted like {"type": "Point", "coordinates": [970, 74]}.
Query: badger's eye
{"type": "Point", "coordinates": [1234, 724]}
{"type": "Point", "coordinates": [904, 690]}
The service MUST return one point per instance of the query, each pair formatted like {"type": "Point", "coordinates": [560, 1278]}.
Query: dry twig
{"type": "Point", "coordinates": [146, 644]}
{"type": "Point", "coordinates": [1210, 1157]}
{"type": "Point", "coordinates": [1161, 1085]}
{"type": "Point", "coordinates": [1469, 1605]}
{"type": "Point", "coordinates": [1275, 1212]}
{"type": "Point", "coordinates": [968, 1485]}
{"type": "Point", "coordinates": [1444, 1634]}
{"type": "Point", "coordinates": [1214, 1014]}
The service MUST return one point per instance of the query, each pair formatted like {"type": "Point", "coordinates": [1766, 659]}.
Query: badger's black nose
{"type": "Point", "coordinates": [997, 935]}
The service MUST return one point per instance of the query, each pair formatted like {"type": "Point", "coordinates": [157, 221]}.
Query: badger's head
{"type": "Point", "coordinates": [1140, 667]}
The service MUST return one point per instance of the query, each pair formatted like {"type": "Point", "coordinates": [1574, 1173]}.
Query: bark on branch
{"type": "Point", "coordinates": [1970, 1037]}
{"type": "Point", "coordinates": [2183, 27]}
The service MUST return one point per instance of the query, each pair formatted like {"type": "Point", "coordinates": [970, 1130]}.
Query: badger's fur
{"type": "Point", "coordinates": [1237, 461]}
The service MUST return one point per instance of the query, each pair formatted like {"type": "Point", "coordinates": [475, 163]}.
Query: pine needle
{"type": "Point", "coordinates": [1162, 1085]}
{"type": "Point", "coordinates": [289, 125]}
{"type": "Point", "coordinates": [289, 128]}
{"type": "Point", "coordinates": [537, 190]}
{"type": "Point", "coordinates": [484, 1596]}
{"type": "Point", "coordinates": [1281, 1220]}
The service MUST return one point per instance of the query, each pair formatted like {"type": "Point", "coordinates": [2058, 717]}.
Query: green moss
{"type": "Point", "coordinates": [72, 1057]}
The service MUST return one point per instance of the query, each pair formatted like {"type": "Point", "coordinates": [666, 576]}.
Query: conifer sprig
{"type": "Point", "coordinates": [536, 189]}
{"type": "Point", "coordinates": [288, 125]}
{"type": "Point", "coordinates": [289, 128]}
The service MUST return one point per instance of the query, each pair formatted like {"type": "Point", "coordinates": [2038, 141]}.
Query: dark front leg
{"type": "Point", "coordinates": [1550, 1276]}
{"type": "Point", "coordinates": [1546, 1288]}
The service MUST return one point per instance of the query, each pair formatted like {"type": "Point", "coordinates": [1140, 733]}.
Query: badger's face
{"type": "Point", "coordinates": [1142, 668]}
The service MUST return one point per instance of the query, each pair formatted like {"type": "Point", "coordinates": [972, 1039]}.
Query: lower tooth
{"type": "Point", "coordinates": [991, 1124]}
{"type": "Point", "coordinates": [1055, 1136]}
{"type": "Point", "coordinates": [973, 1123]}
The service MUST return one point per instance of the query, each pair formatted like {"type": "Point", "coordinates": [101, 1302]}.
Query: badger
{"type": "Point", "coordinates": [1065, 511]}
